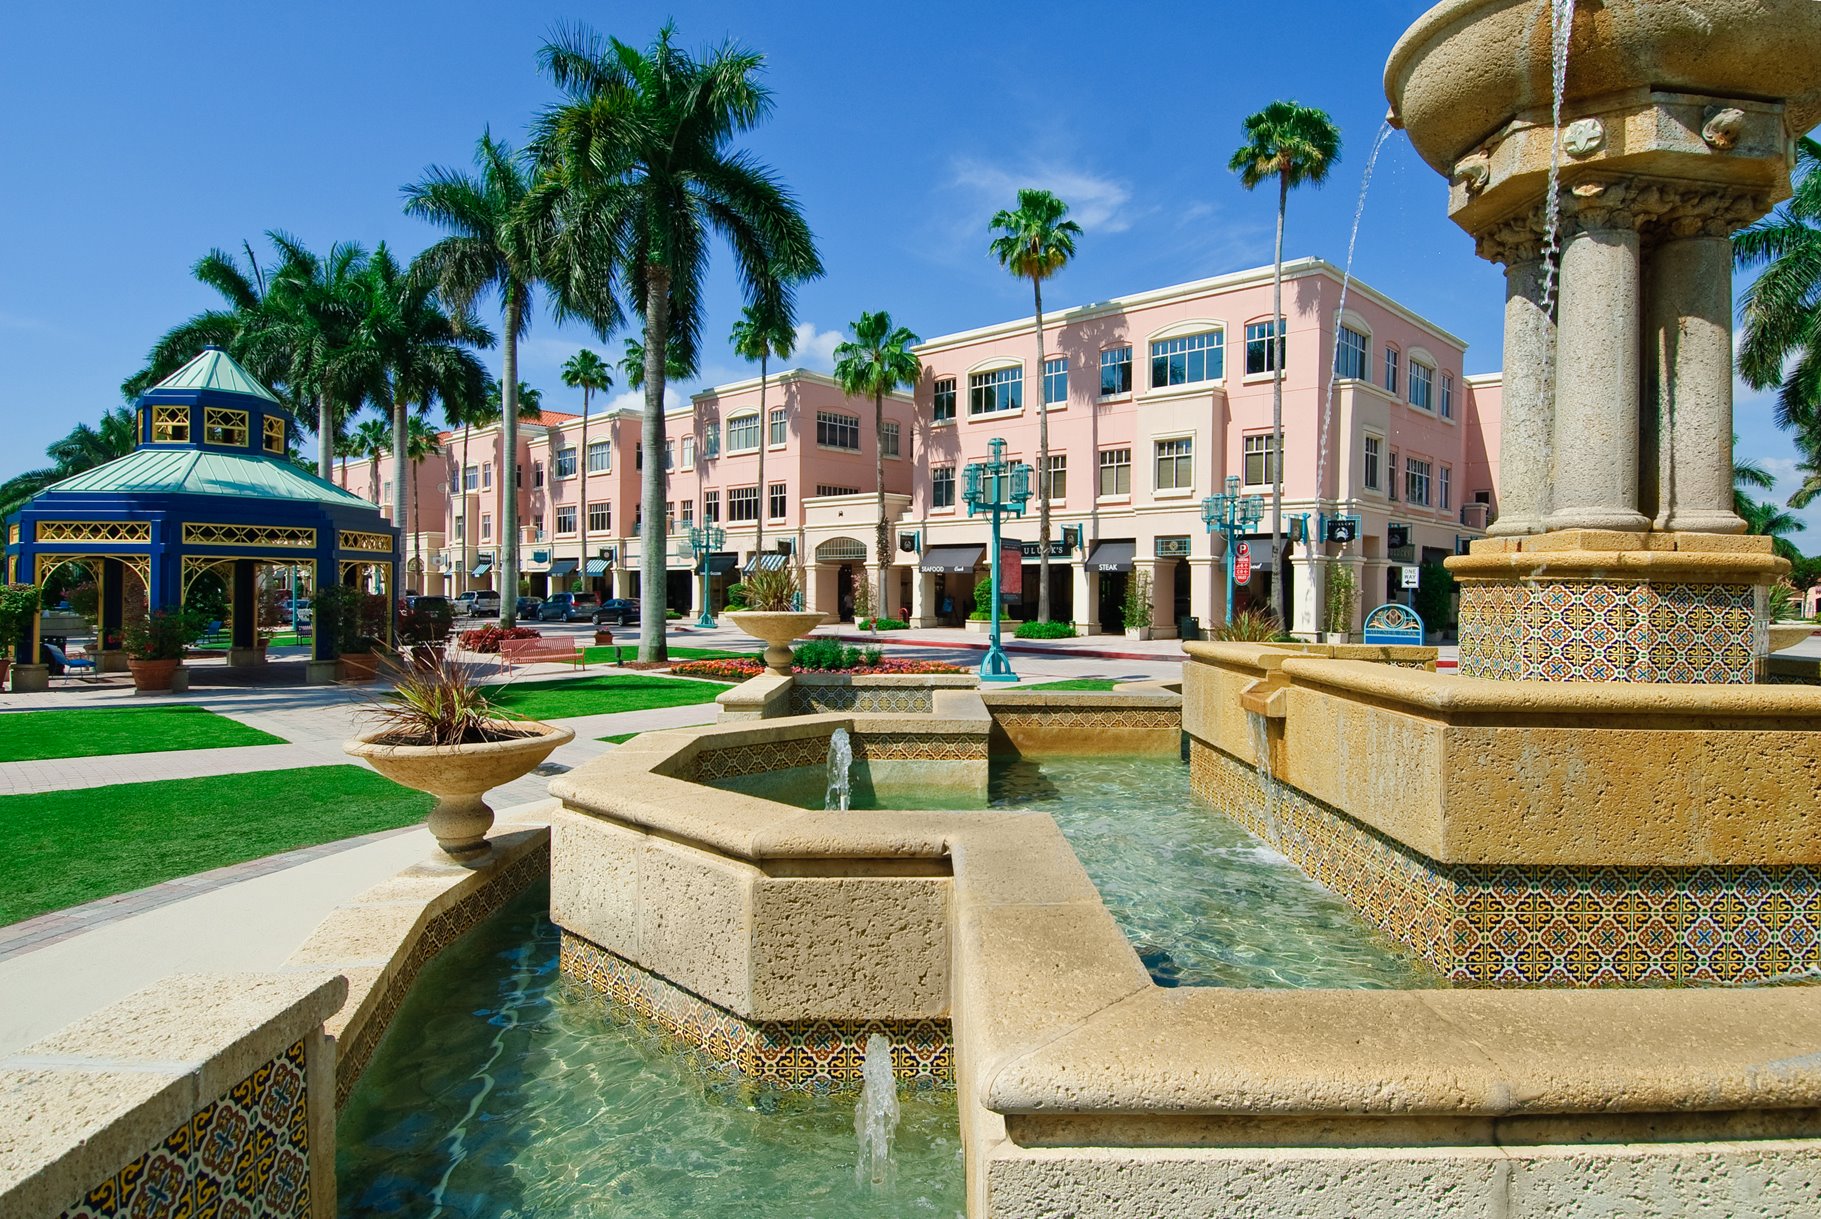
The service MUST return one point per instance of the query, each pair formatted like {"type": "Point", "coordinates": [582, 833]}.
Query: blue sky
{"type": "Point", "coordinates": [142, 135]}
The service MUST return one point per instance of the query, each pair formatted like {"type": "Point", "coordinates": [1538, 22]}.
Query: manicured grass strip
{"type": "Point", "coordinates": [31, 736]}
{"type": "Point", "coordinates": [603, 695]}
{"type": "Point", "coordinates": [1076, 683]}
{"type": "Point", "coordinates": [69, 847]}
{"type": "Point", "coordinates": [630, 651]}
{"type": "Point", "coordinates": [620, 738]}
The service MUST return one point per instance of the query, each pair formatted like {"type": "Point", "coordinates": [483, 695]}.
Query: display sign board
{"type": "Point", "coordinates": [1393, 624]}
{"type": "Point", "coordinates": [1059, 549]}
{"type": "Point", "coordinates": [1242, 564]}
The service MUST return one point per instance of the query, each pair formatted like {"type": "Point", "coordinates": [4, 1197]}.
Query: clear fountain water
{"type": "Point", "coordinates": [840, 770]}
{"type": "Point", "coordinates": [1561, 26]}
{"type": "Point", "coordinates": [876, 1116]}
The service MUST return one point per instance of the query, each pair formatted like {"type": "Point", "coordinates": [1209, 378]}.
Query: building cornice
{"type": "Point", "coordinates": [776, 380]}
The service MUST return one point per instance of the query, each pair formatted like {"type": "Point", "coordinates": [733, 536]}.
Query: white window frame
{"type": "Point", "coordinates": [891, 440]}
{"type": "Point", "coordinates": [565, 512]}
{"type": "Point", "coordinates": [1104, 393]}
{"type": "Point", "coordinates": [1279, 332]}
{"type": "Point", "coordinates": [743, 496]}
{"type": "Point", "coordinates": [777, 433]}
{"type": "Point", "coordinates": [1003, 382]}
{"type": "Point", "coordinates": [602, 449]}
{"type": "Point", "coordinates": [939, 395]}
{"type": "Point", "coordinates": [1418, 475]}
{"type": "Point", "coordinates": [737, 425]}
{"type": "Point", "coordinates": [1102, 465]}
{"type": "Point", "coordinates": [936, 501]}
{"type": "Point", "coordinates": [1177, 460]}
{"type": "Point", "coordinates": [1420, 373]}
{"type": "Point", "coordinates": [831, 429]}
{"type": "Point", "coordinates": [563, 464]}
{"type": "Point", "coordinates": [604, 509]}
{"type": "Point", "coordinates": [1364, 351]}
{"type": "Point", "coordinates": [1213, 350]}
{"type": "Point", "coordinates": [1270, 459]}
{"type": "Point", "coordinates": [1056, 377]}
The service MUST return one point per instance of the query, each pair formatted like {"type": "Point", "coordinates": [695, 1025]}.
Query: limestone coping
{"type": "Point", "coordinates": [1689, 567]}
{"type": "Point", "coordinates": [1262, 658]}
{"type": "Point", "coordinates": [93, 1096]}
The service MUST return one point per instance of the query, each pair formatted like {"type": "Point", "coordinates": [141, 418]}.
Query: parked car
{"type": "Point", "coordinates": [428, 603]}
{"type": "Point", "coordinates": [528, 608]}
{"type": "Point", "coordinates": [478, 603]}
{"type": "Point", "coordinates": [617, 611]}
{"type": "Point", "coordinates": [568, 607]}
{"type": "Point", "coordinates": [302, 607]}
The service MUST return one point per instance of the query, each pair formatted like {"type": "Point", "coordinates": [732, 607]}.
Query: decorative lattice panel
{"type": "Point", "coordinates": [285, 537]}
{"type": "Point", "coordinates": [123, 532]}
{"type": "Point", "coordinates": [375, 543]}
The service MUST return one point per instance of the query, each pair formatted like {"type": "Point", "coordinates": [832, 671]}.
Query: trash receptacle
{"type": "Point", "coordinates": [1188, 628]}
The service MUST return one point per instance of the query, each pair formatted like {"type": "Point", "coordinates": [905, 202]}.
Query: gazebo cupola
{"type": "Point", "coordinates": [210, 488]}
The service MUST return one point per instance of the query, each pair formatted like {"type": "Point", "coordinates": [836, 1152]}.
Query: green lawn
{"type": "Point", "coordinates": [69, 847]}
{"type": "Point", "coordinates": [604, 655]}
{"type": "Point", "coordinates": [1075, 683]}
{"type": "Point", "coordinates": [620, 738]}
{"type": "Point", "coordinates": [603, 695]}
{"type": "Point", "coordinates": [30, 736]}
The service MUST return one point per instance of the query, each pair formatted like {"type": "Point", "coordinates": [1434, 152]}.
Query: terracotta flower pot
{"type": "Point", "coordinates": [777, 629]}
{"type": "Point", "coordinates": [152, 676]}
{"type": "Point", "coordinates": [458, 776]}
{"type": "Point", "coordinates": [603, 638]}
{"type": "Point", "coordinates": [357, 666]}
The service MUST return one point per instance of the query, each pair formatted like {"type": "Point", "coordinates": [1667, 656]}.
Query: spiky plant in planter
{"type": "Point", "coordinates": [773, 616]}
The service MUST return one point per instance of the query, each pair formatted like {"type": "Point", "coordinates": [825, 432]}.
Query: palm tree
{"type": "Point", "coordinates": [82, 448]}
{"type": "Point", "coordinates": [1768, 520]}
{"type": "Point", "coordinates": [878, 360]}
{"type": "Point", "coordinates": [421, 443]}
{"type": "Point", "coordinates": [1034, 243]}
{"type": "Point", "coordinates": [632, 365]}
{"type": "Point", "coordinates": [371, 440]}
{"type": "Point", "coordinates": [243, 291]}
{"type": "Point", "coordinates": [763, 331]}
{"type": "Point", "coordinates": [490, 251]}
{"type": "Point", "coordinates": [1747, 476]}
{"type": "Point", "coordinates": [1296, 145]}
{"type": "Point", "coordinates": [642, 170]}
{"type": "Point", "coordinates": [1781, 309]}
{"type": "Point", "coordinates": [586, 371]}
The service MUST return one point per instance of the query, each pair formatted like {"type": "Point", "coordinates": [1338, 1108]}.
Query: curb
{"type": "Point", "coordinates": [1023, 649]}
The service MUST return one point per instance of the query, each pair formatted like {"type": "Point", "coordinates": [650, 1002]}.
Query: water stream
{"type": "Point", "coordinates": [1260, 729]}
{"type": "Point", "coordinates": [840, 767]}
{"type": "Point", "coordinates": [876, 1116]}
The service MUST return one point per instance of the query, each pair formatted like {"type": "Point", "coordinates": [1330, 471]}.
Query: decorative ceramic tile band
{"type": "Point", "coordinates": [1582, 630]}
{"type": "Point", "coordinates": [730, 761]}
{"type": "Point", "coordinates": [245, 1156]}
{"type": "Point", "coordinates": [869, 700]}
{"type": "Point", "coordinates": [810, 1055]}
{"type": "Point", "coordinates": [1084, 718]}
{"type": "Point", "coordinates": [1535, 925]}
{"type": "Point", "coordinates": [920, 746]}
{"type": "Point", "coordinates": [354, 1052]}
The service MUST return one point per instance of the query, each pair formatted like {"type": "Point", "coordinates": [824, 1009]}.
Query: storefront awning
{"type": "Point", "coordinates": [952, 558]}
{"type": "Point", "coordinates": [722, 562]}
{"type": "Point", "coordinates": [767, 562]}
{"type": "Point", "coordinates": [481, 569]}
{"type": "Point", "coordinates": [1112, 556]}
{"type": "Point", "coordinates": [597, 567]}
{"type": "Point", "coordinates": [565, 567]}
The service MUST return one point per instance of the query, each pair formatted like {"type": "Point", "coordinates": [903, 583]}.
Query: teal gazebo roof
{"type": "Point", "coordinates": [215, 369]}
{"type": "Point", "coordinates": [175, 471]}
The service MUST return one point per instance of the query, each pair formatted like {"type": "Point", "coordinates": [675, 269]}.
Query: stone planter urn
{"type": "Point", "coordinates": [1138, 632]}
{"type": "Point", "coordinates": [1335, 638]}
{"type": "Point", "coordinates": [459, 776]}
{"type": "Point", "coordinates": [357, 666]}
{"type": "Point", "coordinates": [777, 629]}
{"type": "Point", "coordinates": [152, 676]}
{"type": "Point", "coordinates": [603, 638]}
{"type": "Point", "coordinates": [1788, 634]}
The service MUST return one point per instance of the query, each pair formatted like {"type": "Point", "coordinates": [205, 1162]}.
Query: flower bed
{"type": "Point", "coordinates": [740, 670]}
{"type": "Point", "coordinates": [489, 638]}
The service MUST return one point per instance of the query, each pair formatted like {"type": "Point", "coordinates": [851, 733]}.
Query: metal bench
{"type": "Point", "coordinates": [530, 651]}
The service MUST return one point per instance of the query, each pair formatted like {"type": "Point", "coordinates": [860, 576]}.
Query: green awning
{"type": "Point", "coordinates": [596, 567]}
{"type": "Point", "coordinates": [481, 569]}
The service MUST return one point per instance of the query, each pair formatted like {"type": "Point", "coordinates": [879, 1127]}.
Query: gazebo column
{"type": "Point", "coordinates": [30, 674]}
{"type": "Point", "coordinates": [243, 650]}
{"type": "Point", "coordinates": [111, 614]}
{"type": "Point", "coordinates": [320, 670]}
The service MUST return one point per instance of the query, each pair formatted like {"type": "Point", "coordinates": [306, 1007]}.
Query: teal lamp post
{"type": "Point", "coordinates": [997, 486]}
{"type": "Point", "coordinates": [1232, 514]}
{"type": "Point", "coordinates": [706, 539]}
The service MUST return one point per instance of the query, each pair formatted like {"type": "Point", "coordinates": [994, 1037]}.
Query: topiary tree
{"type": "Point", "coordinates": [18, 607]}
{"type": "Point", "coordinates": [1435, 597]}
{"type": "Point", "coordinates": [983, 600]}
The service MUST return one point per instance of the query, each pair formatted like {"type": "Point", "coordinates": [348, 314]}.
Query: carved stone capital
{"type": "Point", "coordinates": [1670, 209]}
{"type": "Point", "coordinates": [1598, 204]}
{"type": "Point", "coordinates": [1513, 240]}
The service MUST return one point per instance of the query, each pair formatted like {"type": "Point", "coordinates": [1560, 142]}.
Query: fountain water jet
{"type": "Point", "coordinates": [840, 763]}
{"type": "Point", "coordinates": [876, 1116]}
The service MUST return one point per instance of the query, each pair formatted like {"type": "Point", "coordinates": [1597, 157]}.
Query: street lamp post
{"type": "Point", "coordinates": [706, 539]}
{"type": "Point", "coordinates": [997, 486]}
{"type": "Point", "coordinates": [1232, 514]}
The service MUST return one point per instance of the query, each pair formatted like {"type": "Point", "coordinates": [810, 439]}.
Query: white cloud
{"type": "Point", "coordinates": [634, 399]}
{"type": "Point", "coordinates": [1097, 203]}
{"type": "Point", "coordinates": [815, 348]}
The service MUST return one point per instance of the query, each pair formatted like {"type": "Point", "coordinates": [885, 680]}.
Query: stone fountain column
{"type": "Point", "coordinates": [1527, 420]}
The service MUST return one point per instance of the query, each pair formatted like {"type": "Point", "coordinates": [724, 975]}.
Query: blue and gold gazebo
{"type": "Point", "coordinates": [209, 488]}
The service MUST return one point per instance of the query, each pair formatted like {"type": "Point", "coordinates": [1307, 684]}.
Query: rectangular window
{"type": "Point", "coordinates": [838, 431]}
{"type": "Point", "coordinates": [711, 507]}
{"type": "Point", "coordinates": [224, 427]}
{"type": "Point", "coordinates": [1374, 455]}
{"type": "Point", "coordinates": [1416, 481]}
{"type": "Point", "coordinates": [600, 518]}
{"type": "Point", "coordinates": [888, 440]}
{"type": "Point", "coordinates": [1056, 478]}
{"type": "Point", "coordinates": [689, 512]}
{"type": "Point", "coordinates": [1175, 464]}
{"type": "Point", "coordinates": [743, 502]}
{"type": "Point", "coordinates": [638, 455]}
{"type": "Point", "coordinates": [537, 474]}
{"type": "Point", "coordinates": [565, 520]}
{"type": "Point", "coordinates": [1391, 483]}
{"type": "Point", "coordinates": [670, 452]}
{"type": "Point", "coordinates": [1444, 489]}
{"type": "Point", "coordinates": [711, 440]}
{"type": "Point", "coordinates": [275, 435]}
{"type": "Point", "coordinates": [1115, 371]}
{"type": "Point", "coordinates": [689, 452]}
{"type": "Point", "coordinates": [1447, 395]}
{"type": "Point", "coordinates": [1262, 355]}
{"type": "Point", "coordinates": [486, 526]}
{"type": "Point", "coordinates": [1261, 460]}
{"type": "Point", "coordinates": [780, 426]}
{"type": "Point", "coordinates": [942, 487]}
{"type": "Point", "coordinates": [1350, 354]}
{"type": "Point", "coordinates": [670, 516]}
{"type": "Point", "coordinates": [537, 527]}
{"type": "Point", "coordinates": [600, 456]}
{"type": "Point", "coordinates": [743, 433]}
{"type": "Point", "coordinates": [1391, 370]}
{"type": "Point", "coordinates": [945, 401]}
{"type": "Point", "coordinates": [170, 425]}
{"type": "Point", "coordinates": [1190, 359]}
{"type": "Point", "coordinates": [487, 475]}
{"type": "Point", "coordinates": [471, 478]}
{"type": "Point", "coordinates": [831, 489]}
{"type": "Point", "coordinates": [1056, 381]}
{"type": "Point", "coordinates": [461, 529]}
{"type": "Point", "coordinates": [989, 393]}
{"type": "Point", "coordinates": [777, 502]}
{"type": "Point", "coordinates": [565, 463]}
{"type": "Point", "coordinates": [1115, 473]}
{"type": "Point", "coordinates": [1422, 386]}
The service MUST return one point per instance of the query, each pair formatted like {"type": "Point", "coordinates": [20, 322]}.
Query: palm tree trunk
{"type": "Point", "coordinates": [325, 438]}
{"type": "Point", "coordinates": [416, 503]}
{"type": "Point", "coordinates": [460, 487]}
{"type": "Point", "coordinates": [1043, 470]}
{"type": "Point", "coordinates": [654, 599]}
{"type": "Point", "coordinates": [508, 548]}
{"type": "Point", "coordinates": [882, 539]}
{"type": "Point", "coordinates": [1277, 406]}
{"type": "Point", "coordinates": [400, 438]}
{"type": "Point", "coordinates": [758, 544]}
{"type": "Point", "coordinates": [582, 481]}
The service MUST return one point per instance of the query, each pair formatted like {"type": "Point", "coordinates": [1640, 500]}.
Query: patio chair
{"type": "Point", "coordinates": [72, 665]}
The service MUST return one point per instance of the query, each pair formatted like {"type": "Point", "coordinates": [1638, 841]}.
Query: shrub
{"type": "Point", "coordinates": [1785, 601]}
{"type": "Point", "coordinates": [1343, 595]}
{"type": "Point", "coordinates": [671, 615]}
{"type": "Point", "coordinates": [1046, 630]}
{"type": "Point", "coordinates": [736, 596]}
{"type": "Point", "coordinates": [983, 601]}
{"type": "Point", "coordinates": [426, 624]}
{"type": "Point", "coordinates": [740, 670]}
{"type": "Point", "coordinates": [163, 634]}
{"type": "Point", "coordinates": [18, 606]}
{"type": "Point", "coordinates": [440, 705]}
{"type": "Point", "coordinates": [1250, 626]}
{"type": "Point", "coordinates": [772, 592]}
{"type": "Point", "coordinates": [822, 654]}
{"type": "Point", "coordinates": [1136, 611]}
{"type": "Point", "coordinates": [883, 624]}
{"type": "Point", "coordinates": [354, 618]}
{"type": "Point", "coordinates": [85, 599]}
{"type": "Point", "coordinates": [488, 638]}
{"type": "Point", "coordinates": [1435, 597]}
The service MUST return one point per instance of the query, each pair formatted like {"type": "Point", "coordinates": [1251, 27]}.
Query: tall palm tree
{"type": "Point", "coordinates": [632, 365]}
{"type": "Point", "coordinates": [82, 448]}
{"type": "Point", "coordinates": [371, 440]}
{"type": "Point", "coordinates": [1035, 242]}
{"type": "Point", "coordinates": [242, 288]}
{"type": "Point", "coordinates": [878, 360]}
{"type": "Point", "coordinates": [1769, 520]}
{"type": "Point", "coordinates": [586, 371]}
{"type": "Point", "coordinates": [1295, 145]}
{"type": "Point", "coordinates": [421, 444]}
{"type": "Point", "coordinates": [765, 329]}
{"type": "Point", "coordinates": [643, 168]}
{"type": "Point", "coordinates": [490, 251]}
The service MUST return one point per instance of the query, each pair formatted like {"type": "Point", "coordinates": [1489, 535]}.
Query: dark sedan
{"type": "Point", "coordinates": [617, 611]}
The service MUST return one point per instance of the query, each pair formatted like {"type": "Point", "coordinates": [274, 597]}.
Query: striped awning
{"type": "Point", "coordinates": [767, 562]}
{"type": "Point", "coordinates": [596, 567]}
{"type": "Point", "coordinates": [481, 569]}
